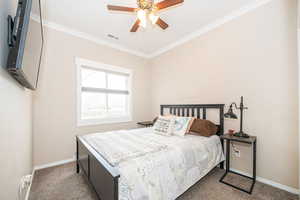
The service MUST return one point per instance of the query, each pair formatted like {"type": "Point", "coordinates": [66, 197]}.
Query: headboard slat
{"type": "Point", "coordinates": [198, 112]}
{"type": "Point", "coordinates": [179, 110]}
{"type": "Point", "coordinates": [204, 113]}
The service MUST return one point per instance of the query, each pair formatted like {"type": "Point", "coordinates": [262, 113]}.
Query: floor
{"type": "Point", "coordinates": [62, 183]}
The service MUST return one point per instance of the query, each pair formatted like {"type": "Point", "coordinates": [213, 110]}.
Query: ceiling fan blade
{"type": "Point", "coordinates": [168, 3]}
{"type": "Point", "coordinates": [162, 23]}
{"type": "Point", "coordinates": [120, 8]}
{"type": "Point", "coordinates": [135, 26]}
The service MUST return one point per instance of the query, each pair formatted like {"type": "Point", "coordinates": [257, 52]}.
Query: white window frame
{"type": "Point", "coordinates": [80, 63]}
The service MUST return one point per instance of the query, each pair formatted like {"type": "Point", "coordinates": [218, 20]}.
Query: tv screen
{"type": "Point", "coordinates": [26, 42]}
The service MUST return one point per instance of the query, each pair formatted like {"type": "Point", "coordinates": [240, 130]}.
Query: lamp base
{"type": "Point", "coordinates": [241, 134]}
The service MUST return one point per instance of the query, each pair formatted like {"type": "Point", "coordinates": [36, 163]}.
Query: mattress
{"type": "Point", "coordinates": [156, 167]}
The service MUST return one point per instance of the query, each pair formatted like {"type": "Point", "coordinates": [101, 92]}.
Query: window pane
{"type": "Point", "coordinates": [93, 105]}
{"type": "Point", "coordinates": [117, 82]}
{"type": "Point", "coordinates": [92, 78]}
{"type": "Point", "coordinates": [117, 104]}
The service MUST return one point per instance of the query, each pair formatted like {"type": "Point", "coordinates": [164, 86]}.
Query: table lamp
{"type": "Point", "coordinates": [230, 114]}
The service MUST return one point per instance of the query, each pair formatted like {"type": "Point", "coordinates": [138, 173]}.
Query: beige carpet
{"type": "Point", "coordinates": [62, 183]}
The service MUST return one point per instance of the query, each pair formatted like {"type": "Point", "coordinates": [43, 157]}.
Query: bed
{"type": "Point", "coordinates": [137, 164]}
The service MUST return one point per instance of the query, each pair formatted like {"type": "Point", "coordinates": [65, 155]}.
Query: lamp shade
{"type": "Point", "coordinates": [230, 114]}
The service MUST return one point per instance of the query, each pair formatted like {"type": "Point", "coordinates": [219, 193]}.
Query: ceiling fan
{"type": "Point", "coordinates": [147, 9]}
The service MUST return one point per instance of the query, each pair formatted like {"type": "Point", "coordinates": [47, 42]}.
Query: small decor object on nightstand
{"type": "Point", "coordinates": [250, 140]}
{"type": "Point", "coordinates": [230, 131]}
{"type": "Point", "coordinates": [232, 115]}
{"type": "Point", "coordinates": [146, 123]}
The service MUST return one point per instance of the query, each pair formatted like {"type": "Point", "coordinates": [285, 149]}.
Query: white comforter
{"type": "Point", "coordinates": [155, 167]}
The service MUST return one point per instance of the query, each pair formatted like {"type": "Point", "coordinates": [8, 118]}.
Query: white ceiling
{"type": "Point", "coordinates": [91, 17]}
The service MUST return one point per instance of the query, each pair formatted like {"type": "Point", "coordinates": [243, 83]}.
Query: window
{"type": "Point", "coordinates": [104, 93]}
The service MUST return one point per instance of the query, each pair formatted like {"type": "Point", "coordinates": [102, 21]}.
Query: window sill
{"type": "Point", "coordinates": [95, 122]}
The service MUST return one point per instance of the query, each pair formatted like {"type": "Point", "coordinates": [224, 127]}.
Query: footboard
{"type": "Point", "coordinates": [101, 175]}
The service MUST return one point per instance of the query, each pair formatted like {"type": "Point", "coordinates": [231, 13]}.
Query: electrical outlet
{"type": "Point", "coordinates": [237, 153]}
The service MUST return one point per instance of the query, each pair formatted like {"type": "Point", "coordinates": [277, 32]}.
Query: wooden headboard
{"type": "Point", "coordinates": [196, 110]}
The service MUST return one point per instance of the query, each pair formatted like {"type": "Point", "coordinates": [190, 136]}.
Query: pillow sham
{"type": "Point", "coordinates": [203, 128]}
{"type": "Point", "coordinates": [182, 125]}
{"type": "Point", "coordinates": [164, 126]}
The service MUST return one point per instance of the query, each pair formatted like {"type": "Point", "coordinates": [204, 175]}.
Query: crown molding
{"type": "Point", "coordinates": [82, 35]}
{"type": "Point", "coordinates": [217, 23]}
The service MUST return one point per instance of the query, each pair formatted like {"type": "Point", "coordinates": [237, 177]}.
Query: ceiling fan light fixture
{"type": "Point", "coordinates": [142, 16]}
{"type": "Point", "coordinates": [143, 24]}
{"type": "Point", "coordinates": [153, 18]}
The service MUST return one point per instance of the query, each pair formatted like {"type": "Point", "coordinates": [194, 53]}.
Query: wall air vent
{"type": "Point", "coordinates": [112, 36]}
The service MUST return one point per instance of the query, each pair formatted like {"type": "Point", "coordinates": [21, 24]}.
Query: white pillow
{"type": "Point", "coordinates": [182, 125]}
{"type": "Point", "coordinates": [164, 126]}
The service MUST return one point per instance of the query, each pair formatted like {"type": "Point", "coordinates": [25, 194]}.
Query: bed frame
{"type": "Point", "coordinates": [104, 178]}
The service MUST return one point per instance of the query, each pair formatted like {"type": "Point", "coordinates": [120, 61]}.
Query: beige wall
{"type": "Point", "coordinates": [15, 119]}
{"type": "Point", "coordinates": [255, 56]}
{"type": "Point", "coordinates": [55, 101]}
{"type": "Point", "coordinates": [298, 51]}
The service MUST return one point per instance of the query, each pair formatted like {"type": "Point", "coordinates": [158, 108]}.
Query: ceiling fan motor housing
{"type": "Point", "coordinates": [145, 4]}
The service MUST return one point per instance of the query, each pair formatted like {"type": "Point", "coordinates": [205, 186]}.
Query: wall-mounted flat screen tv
{"type": "Point", "coordinates": [25, 38]}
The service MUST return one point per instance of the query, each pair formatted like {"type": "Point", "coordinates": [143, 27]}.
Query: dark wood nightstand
{"type": "Point", "coordinates": [146, 123]}
{"type": "Point", "coordinates": [252, 141]}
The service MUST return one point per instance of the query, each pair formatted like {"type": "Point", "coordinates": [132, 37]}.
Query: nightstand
{"type": "Point", "coordinates": [252, 141]}
{"type": "Point", "coordinates": [146, 123]}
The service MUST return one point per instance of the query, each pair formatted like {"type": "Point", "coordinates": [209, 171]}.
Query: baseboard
{"type": "Point", "coordinates": [53, 164]}
{"type": "Point", "coordinates": [29, 188]}
{"type": "Point", "coordinates": [260, 179]}
{"type": "Point", "coordinates": [271, 183]}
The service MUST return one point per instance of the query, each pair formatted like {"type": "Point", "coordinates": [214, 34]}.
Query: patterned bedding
{"type": "Point", "coordinates": [120, 146]}
{"type": "Point", "coordinates": [156, 167]}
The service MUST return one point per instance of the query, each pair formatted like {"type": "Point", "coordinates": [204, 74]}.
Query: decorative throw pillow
{"type": "Point", "coordinates": [164, 126]}
{"type": "Point", "coordinates": [203, 128]}
{"type": "Point", "coordinates": [182, 125]}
